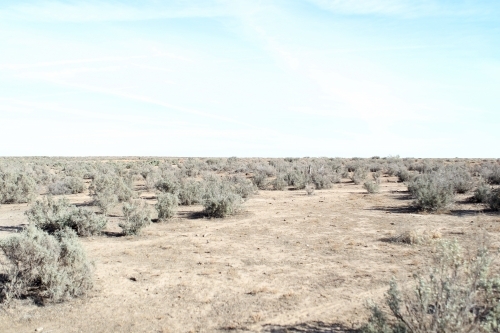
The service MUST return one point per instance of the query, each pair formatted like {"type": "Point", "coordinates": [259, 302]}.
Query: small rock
{"type": "Point", "coordinates": [39, 329]}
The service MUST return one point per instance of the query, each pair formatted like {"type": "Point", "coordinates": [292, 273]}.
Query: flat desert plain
{"type": "Point", "coordinates": [286, 262]}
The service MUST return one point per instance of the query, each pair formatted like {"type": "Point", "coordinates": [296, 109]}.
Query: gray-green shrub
{"type": "Point", "coordinates": [359, 175]}
{"type": "Point", "coordinates": [67, 185]}
{"type": "Point", "coordinates": [404, 175]}
{"type": "Point", "coordinates": [52, 216]}
{"type": "Point", "coordinates": [279, 183]}
{"type": "Point", "coordinates": [136, 216]}
{"type": "Point", "coordinates": [168, 185]}
{"type": "Point", "coordinates": [220, 199]}
{"type": "Point", "coordinates": [242, 186]}
{"type": "Point", "coordinates": [460, 178]}
{"type": "Point", "coordinates": [17, 187]}
{"type": "Point", "coordinates": [166, 206]}
{"type": "Point", "coordinates": [458, 295]}
{"type": "Point", "coordinates": [481, 194]}
{"type": "Point", "coordinates": [108, 189]}
{"type": "Point", "coordinates": [42, 266]}
{"type": "Point", "coordinates": [371, 187]}
{"type": "Point", "coordinates": [310, 189]}
{"type": "Point", "coordinates": [190, 192]}
{"type": "Point", "coordinates": [431, 192]}
{"type": "Point", "coordinates": [260, 180]}
{"type": "Point", "coordinates": [494, 200]}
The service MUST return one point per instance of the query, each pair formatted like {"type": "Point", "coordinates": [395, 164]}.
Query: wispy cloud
{"type": "Point", "coordinates": [87, 11]}
{"type": "Point", "coordinates": [409, 8]}
{"type": "Point", "coordinates": [17, 66]}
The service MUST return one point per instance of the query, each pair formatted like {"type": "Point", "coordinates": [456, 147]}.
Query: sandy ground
{"type": "Point", "coordinates": [287, 262]}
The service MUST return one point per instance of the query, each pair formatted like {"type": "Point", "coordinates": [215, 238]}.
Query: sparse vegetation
{"type": "Point", "coordinates": [359, 175]}
{"type": "Point", "coordinates": [52, 216]}
{"type": "Point", "coordinates": [310, 189]}
{"type": "Point", "coordinates": [17, 187]}
{"type": "Point", "coordinates": [431, 192]}
{"type": "Point", "coordinates": [220, 199]}
{"type": "Point", "coordinates": [481, 194]}
{"type": "Point", "coordinates": [413, 237]}
{"type": "Point", "coordinates": [136, 216]}
{"type": "Point", "coordinates": [67, 185]}
{"type": "Point", "coordinates": [47, 268]}
{"type": "Point", "coordinates": [287, 234]}
{"type": "Point", "coordinates": [494, 200]}
{"type": "Point", "coordinates": [166, 206]}
{"type": "Point", "coordinates": [458, 295]}
{"type": "Point", "coordinates": [108, 189]}
{"type": "Point", "coordinates": [371, 187]}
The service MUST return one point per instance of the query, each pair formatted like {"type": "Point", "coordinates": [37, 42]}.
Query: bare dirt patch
{"type": "Point", "coordinates": [287, 262]}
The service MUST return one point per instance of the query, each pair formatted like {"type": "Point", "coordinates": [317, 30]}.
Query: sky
{"type": "Point", "coordinates": [274, 78]}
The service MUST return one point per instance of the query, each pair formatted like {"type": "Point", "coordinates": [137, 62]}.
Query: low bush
{"type": "Point", "coordinates": [45, 267]}
{"type": "Point", "coordinates": [190, 192]}
{"type": "Point", "coordinates": [220, 199]}
{"type": "Point", "coordinates": [17, 187]}
{"type": "Point", "coordinates": [481, 194]}
{"type": "Point", "coordinates": [491, 173]}
{"type": "Point", "coordinates": [279, 183]}
{"type": "Point", "coordinates": [166, 206]}
{"type": "Point", "coordinates": [371, 187]}
{"type": "Point", "coordinates": [359, 175]}
{"type": "Point", "coordinates": [494, 200]}
{"type": "Point", "coordinates": [260, 180]}
{"type": "Point", "coordinates": [52, 216]}
{"type": "Point", "coordinates": [296, 179]}
{"type": "Point", "coordinates": [242, 186]}
{"type": "Point", "coordinates": [322, 180]}
{"type": "Point", "coordinates": [458, 295]}
{"type": "Point", "coordinates": [310, 189]}
{"type": "Point", "coordinates": [67, 185]}
{"type": "Point", "coordinates": [404, 175]}
{"type": "Point", "coordinates": [108, 189]}
{"type": "Point", "coordinates": [168, 185]}
{"type": "Point", "coordinates": [460, 178]}
{"type": "Point", "coordinates": [431, 192]}
{"type": "Point", "coordinates": [136, 216]}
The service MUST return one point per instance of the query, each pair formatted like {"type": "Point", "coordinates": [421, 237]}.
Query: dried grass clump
{"type": "Point", "coordinates": [136, 216]}
{"type": "Point", "coordinates": [44, 267]}
{"type": "Point", "coordinates": [415, 237]}
{"type": "Point", "coordinates": [458, 295]}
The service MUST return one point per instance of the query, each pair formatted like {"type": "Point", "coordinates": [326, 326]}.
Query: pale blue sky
{"type": "Point", "coordinates": [250, 78]}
